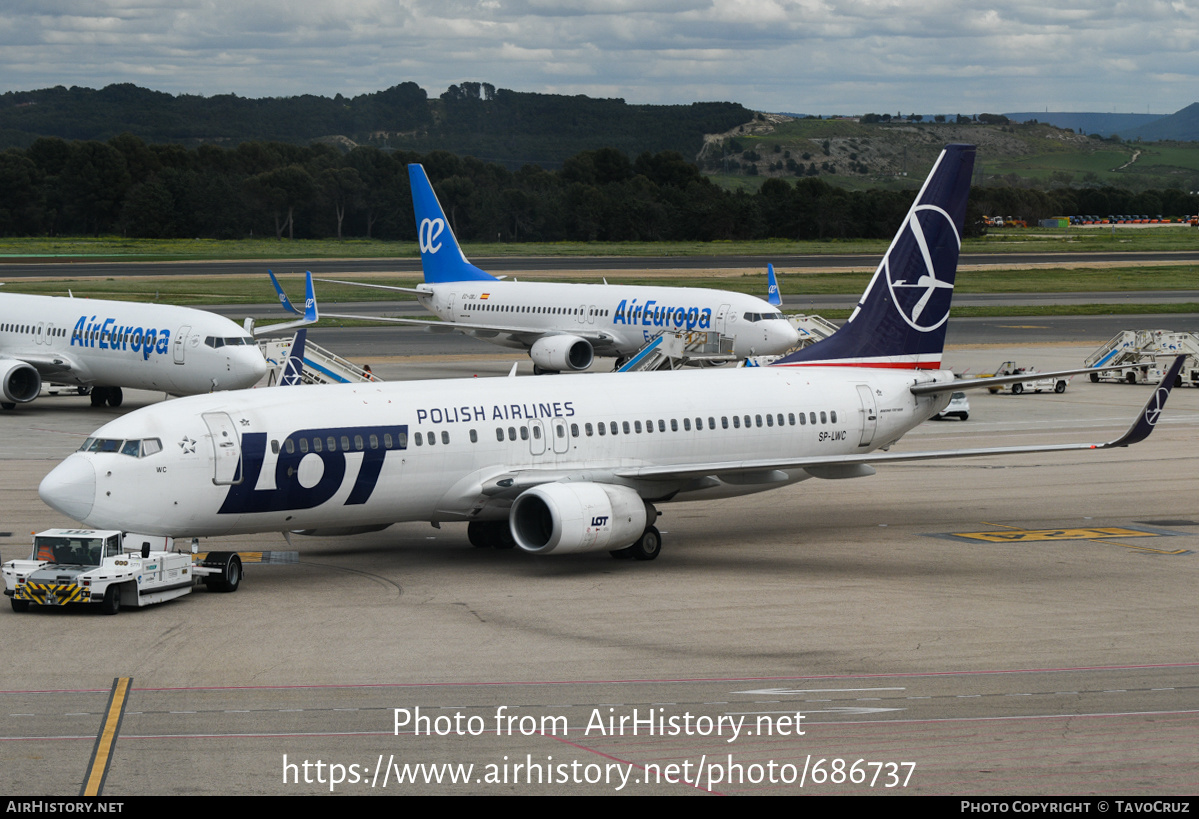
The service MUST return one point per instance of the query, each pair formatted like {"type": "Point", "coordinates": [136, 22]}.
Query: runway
{"type": "Point", "coordinates": [1055, 655]}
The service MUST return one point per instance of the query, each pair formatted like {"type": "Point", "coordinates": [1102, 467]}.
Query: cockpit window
{"type": "Point", "coordinates": [134, 447]}
{"type": "Point", "coordinates": [236, 341]}
{"type": "Point", "coordinates": [765, 317]}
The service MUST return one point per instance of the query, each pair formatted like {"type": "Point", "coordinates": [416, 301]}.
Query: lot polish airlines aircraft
{"type": "Point", "coordinates": [564, 326]}
{"type": "Point", "coordinates": [554, 466]}
{"type": "Point", "coordinates": [108, 345]}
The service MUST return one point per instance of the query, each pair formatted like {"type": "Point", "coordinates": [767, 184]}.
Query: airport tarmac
{"type": "Point", "coordinates": [1008, 625]}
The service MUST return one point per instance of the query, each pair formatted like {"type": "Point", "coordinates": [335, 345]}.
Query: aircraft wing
{"type": "Point", "coordinates": [414, 290]}
{"type": "Point", "coordinates": [849, 465]}
{"type": "Point", "coordinates": [525, 335]}
{"type": "Point", "coordinates": [1000, 380]}
{"type": "Point", "coordinates": [512, 483]}
{"type": "Point", "coordinates": [53, 367]}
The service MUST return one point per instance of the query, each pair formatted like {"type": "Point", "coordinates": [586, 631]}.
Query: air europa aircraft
{"type": "Point", "coordinates": [553, 466]}
{"type": "Point", "coordinates": [109, 345]}
{"type": "Point", "coordinates": [564, 326]}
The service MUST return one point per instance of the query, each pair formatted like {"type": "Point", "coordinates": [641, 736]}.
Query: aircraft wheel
{"type": "Point", "coordinates": [99, 396]}
{"type": "Point", "coordinates": [1059, 387]}
{"type": "Point", "coordinates": [112, 600]}
{"type": "Point", "coordinates": [618, 554]}
{"type": "Point", "coordinates": [648, 546]}
{"type": "Point", "coordinates": [8, 405]}
{"type": "Point", "coordinates": [476, 533]}
{"type": "Point", "coordinates": [115, 396]}
{"type": "Point", "coordinates": [503, 536]}
{"type": "Point", "coordinates": [20, 606]}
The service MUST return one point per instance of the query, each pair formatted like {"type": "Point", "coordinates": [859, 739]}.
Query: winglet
{"type": "Point", "coordinates": [441, 258]}
{"type": "Point", "coordinates": [310, 315]}
{"type": "Point", "coordinates": [772, 287]}
{"type": "Point", "coordinates": [900, 320]}
{"type": "Point", "coordinates": [283, 300]}
{"type": "Point", "coordinates": [1147, 420]}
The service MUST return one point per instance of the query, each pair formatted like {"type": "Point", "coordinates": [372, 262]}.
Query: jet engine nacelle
{"type": "Point", "coordinates": [565, 518]}
{"type": "Point", "coordinates": [19, 382]}
{"type": "Point", "coordinates": [559, 353]}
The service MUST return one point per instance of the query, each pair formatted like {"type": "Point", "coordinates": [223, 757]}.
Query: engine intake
{"type": "Point", "coordinates": [559, 353]}
{"type": "Point", "coordinates": [567, 518]}
{"type": "Point", "coordinates": [20, 383]}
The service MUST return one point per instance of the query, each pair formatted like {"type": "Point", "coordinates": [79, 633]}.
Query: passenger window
{"type": "Point", "coordinates": [474, 437]}
{"type": "Point", "coordinates": [832, 415]}
{"type": "Point", "coordinates": [524, 433]}
{"type": "Point", "coordinates": [331, 443]}
{"type": "Point", "coordinates": [420, 439]}
{"type": "Point", "coordinates": [511, 433]}
{"type": "Point", "coordinates": [674, 424]}
{"type": "Point", "coordinates": [736, 422]}
{"type": "Point", "coordinates": [588, 428]}
{"type": "Point", "coordinates": [431, 438]}
{"type": "Point", "coordinates": [445, 436]}
{"type": "Point", "coordinates": [625, 426]}
{"type": "Point", "coordinates": [636, 427]}
{"type": "Point", "coordinates": [499, 433]}
{"type": "Point", "coordinates": [687, 424]}
{"type": "Point", "coordinates": [823, 418]}
{"type": "Point", "coordinates": [612, 428]}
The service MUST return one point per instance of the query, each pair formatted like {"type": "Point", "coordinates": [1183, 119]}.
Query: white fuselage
{"type": "Point", "coordinates": [628, 316]}
{"type": "Point", "coordinates": [94, 342]}
{"type": "Point", "coordinates": [372, 454]}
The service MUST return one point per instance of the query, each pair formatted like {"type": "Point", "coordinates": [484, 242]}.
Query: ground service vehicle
{"type": "Point", "coordinates": [95, 566]}
{"type": "Point", "coordinates": [1035, 383]}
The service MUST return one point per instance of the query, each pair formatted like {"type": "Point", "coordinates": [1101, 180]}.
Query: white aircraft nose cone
{"type": "Point", "coordinates": [70, 488]}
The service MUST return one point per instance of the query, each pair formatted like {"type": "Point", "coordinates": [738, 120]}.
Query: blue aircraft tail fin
{"type": "Point", "coordinates": [440, 256]}
{"type": "Point", "coordinates": [900, 320]}
{"type": "Point", "coordinates": [772, 287]}
{"type": "Point", "coordinates": [293, 367]}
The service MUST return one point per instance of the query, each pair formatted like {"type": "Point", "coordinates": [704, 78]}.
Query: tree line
{"type": "Point", "coordinates": [125, 186]}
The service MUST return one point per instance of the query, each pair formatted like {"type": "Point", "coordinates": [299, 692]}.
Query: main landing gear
{"type": "Point", "coordinates": [107, 395]}
{"type": "Point", "coordinates": [490, 534]}
{"type": "Point", "coordinates": [647, 547]}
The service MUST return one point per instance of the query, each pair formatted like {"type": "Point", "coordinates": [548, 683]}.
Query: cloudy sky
{"type": "Point", "coordinates": [808, 56]}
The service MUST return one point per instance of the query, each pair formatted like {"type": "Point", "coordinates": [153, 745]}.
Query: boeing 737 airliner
{"type": "Point", "coordinates": [108, 345]}
{"type": "Point", "coordinates": [553, 465]}
{"type": "Point", "coordinates": [564, 326]}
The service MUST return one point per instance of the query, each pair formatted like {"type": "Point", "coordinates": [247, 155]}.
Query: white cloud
{"type": "Point", "coordinates": [797, 55]}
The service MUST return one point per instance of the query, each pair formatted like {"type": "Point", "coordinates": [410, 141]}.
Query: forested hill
{"type": "Point", "coordinates": [509, 127]}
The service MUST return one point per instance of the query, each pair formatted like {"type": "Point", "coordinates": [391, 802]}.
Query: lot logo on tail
{"type": "Point", "coordinates": [923, 302]}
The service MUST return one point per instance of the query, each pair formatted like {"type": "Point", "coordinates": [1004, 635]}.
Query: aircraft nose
{"type": "Point", "coordinates": [785, 336]}
{"type": "Point", "coordinates": [70, 488]}
{"type": "Point", "coordinates": [256, 364]}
